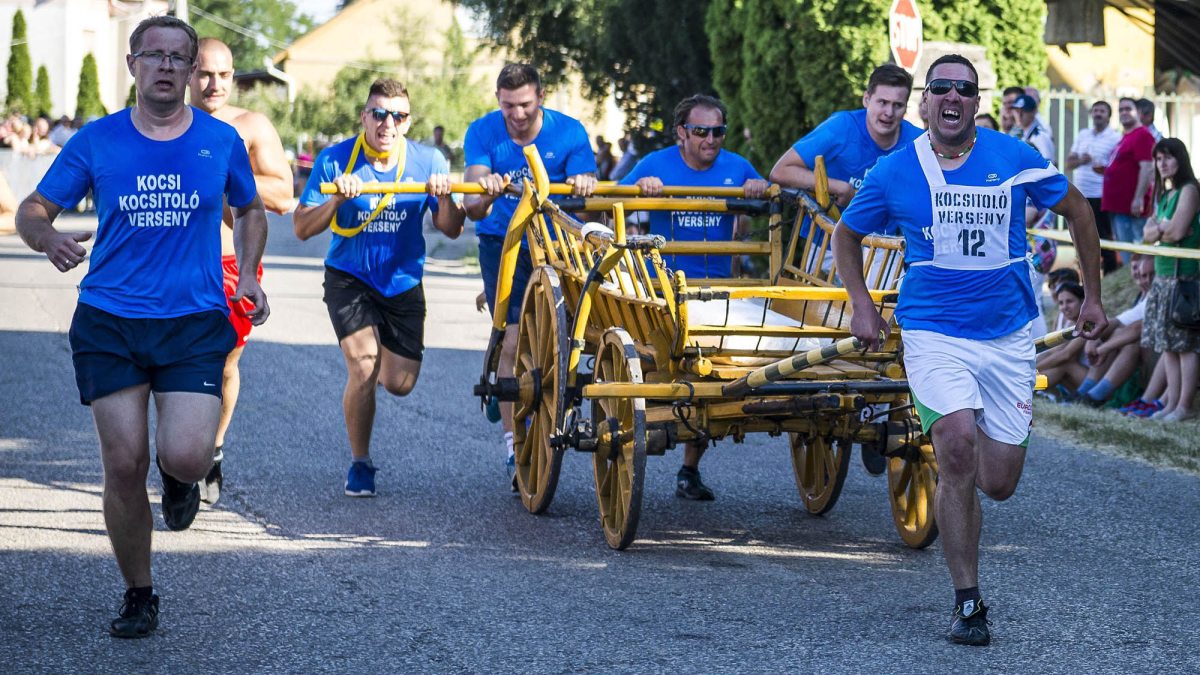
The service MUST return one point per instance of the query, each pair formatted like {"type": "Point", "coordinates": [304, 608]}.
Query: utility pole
{"type": "Point", "coordinates": [178, 9]}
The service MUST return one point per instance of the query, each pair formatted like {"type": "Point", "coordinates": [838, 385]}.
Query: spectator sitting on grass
{"type": "Point", "coordinates": [1065, 366]}
{"type": "Point", "coordinates": [1117, 351]}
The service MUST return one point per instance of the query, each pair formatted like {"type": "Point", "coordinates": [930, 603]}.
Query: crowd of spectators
{"type": "Point", "coordinates": [40, 136]}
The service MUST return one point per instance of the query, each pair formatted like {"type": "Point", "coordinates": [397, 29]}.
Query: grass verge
{"type": "Point", "coordinates": [1170, 444]}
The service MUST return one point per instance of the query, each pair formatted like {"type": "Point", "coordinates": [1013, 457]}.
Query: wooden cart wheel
{"type": "Point", "coordinates": [820, 466]}
{"type": "Point", "coordinates": [620, 466]}
{"type": "Point", "coordinates": [912, 483]}
{"type": "Point", "coordinates": [541, 365]}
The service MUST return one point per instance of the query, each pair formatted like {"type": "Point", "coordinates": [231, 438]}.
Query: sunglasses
{"type": "Point", "coordinates": [381, 114]}
{"type": "Point", "coordinates": [701, 131]}
{"type": "Point", "coordinates": [964, 88]}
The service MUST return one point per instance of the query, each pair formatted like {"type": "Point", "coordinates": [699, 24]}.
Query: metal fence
{"type": "Point", "coordinates": [1067, 112]}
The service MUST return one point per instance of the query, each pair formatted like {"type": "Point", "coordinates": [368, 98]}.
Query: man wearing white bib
{"type": "Point", "coordinates": [958, 196]}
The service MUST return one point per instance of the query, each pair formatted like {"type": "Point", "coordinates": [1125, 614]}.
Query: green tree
{"type": "Point", "coordinates": [87, 102]}
{"type": "Point", "coordinates": [647, 55]}
{"type": "Point", "coordinates": [253, 29]}
{"type": "Point", "coordinates": [131, 99]}
{"type": "Point", "coordinates": [20, 68]}
{"type": "Point", "coordinates": [1011, 30]}
{"type": "Point", "coordinates": [783, 66]}
{"type": "Point", "coordinates": [448, 96]}
{"type": "Point", "coordinates": [43, 101]}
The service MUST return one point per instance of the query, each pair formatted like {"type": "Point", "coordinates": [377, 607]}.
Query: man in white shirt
{"type": "Point", "coordinates": [1089, 155]}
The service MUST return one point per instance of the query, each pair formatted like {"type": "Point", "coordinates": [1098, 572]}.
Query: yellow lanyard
{"type": "Point", "coordinates": [399, 153]}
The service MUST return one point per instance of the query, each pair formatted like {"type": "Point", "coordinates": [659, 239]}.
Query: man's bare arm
{"type": "Point", "coordinates": [272, 174]}
{"type": "Point", "coordinates": [34, 220]}
{"type": "Point", "coordinates": [1081, 221]}
{"type": "Point", "coordinates": [479, 206]}
{"type": "Point", "coordinates": [865, 323]}
{"type": "Point", "coordinates": [249, 241]}
{"type": "Point", "coordinates": [792, 171]}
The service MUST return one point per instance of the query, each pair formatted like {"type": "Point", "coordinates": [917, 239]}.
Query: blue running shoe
{"type": "Point", "coordinates": [360, 480]}
{"type": "Point", "coordinates": [492, 411]}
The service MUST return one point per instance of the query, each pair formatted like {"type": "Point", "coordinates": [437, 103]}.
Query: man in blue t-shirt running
{"type": "Point", "coordinates": [966, 307]}
{"type": "Point", "coordinates": [697, 159]}
{"type": "Point", "coordinates": [493, 150]}
{"type": "Point", "coordinates": [376, 258]}
{"type": "Point", "coordinates": [152, 313]}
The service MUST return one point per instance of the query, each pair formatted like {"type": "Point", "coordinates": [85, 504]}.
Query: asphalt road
{"type": "Point", "coordinates": [1092, 567]}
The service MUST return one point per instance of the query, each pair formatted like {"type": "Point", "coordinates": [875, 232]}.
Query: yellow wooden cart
{"type": "Point", "coordinates": [675, 359]}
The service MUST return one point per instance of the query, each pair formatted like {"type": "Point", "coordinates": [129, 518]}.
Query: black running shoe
{"type": "Point", "coordinates": [875, 463]}
{"type": "Point", "coordinates": [180, 501]}
{"type": "Point", "coordinates": [138, 617]}
{"type": "Point", "coordinates": [970, 624]}
{"type": "Point", "coordinates": [210, 487]}
{"type": "Point", "coordinates": [689, 486]}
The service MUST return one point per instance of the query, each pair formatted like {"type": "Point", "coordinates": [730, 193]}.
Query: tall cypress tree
{"type": "Point", "coordinates": [87, 102]}
{"type": "Point", "coordinates": [20, 68]}
{"type": "Point", "coordinates": [43, 101]}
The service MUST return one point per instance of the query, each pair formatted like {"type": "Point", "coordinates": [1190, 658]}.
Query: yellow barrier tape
{"type": "Point", "coordinates": [1146, 249]}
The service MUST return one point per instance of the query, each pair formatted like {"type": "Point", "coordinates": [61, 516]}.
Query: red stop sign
{"type": "Point", "coordinates": [904, 32]}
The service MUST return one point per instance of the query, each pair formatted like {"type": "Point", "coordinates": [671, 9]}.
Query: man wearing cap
{"type": "Point", "coordinates": [1032, 131]}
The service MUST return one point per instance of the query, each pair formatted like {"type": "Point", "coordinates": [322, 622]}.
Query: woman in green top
{"type": "Point", "coordinates": [1176, 224]}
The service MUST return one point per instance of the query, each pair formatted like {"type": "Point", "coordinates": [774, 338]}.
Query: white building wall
{"type": "Point", "coordinates": [61, 32]}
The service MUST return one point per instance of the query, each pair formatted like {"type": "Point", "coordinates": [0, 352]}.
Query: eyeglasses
{"type": "Point", "coordinates": [965, 88]}
{"type": "Point", "coordinates": [177, 60]}
{"type": "Point", "coordinates": [701, 131]}
{"type": "Point", "coordinates": [381, 114]}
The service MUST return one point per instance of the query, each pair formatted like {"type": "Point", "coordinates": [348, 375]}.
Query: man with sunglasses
{"type": "Point", "coordinates": [696, 160]}
{"type": "Point", "coordinates": [852, 141]}
{"type": "Point", "coordinates": [152, 316]}
{"type": "Point", "coordinates": [958, 196]}
{"type": "Point", "coordinates": [210, 86]}
{"type": "Point", "coordinates": [376, 258]}
{"type": "Point", "coordinates": [493, 151]}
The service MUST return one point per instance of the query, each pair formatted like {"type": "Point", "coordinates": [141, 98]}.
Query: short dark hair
{"type": "Point", "coordinates": [1106, 104]}
{"type": "Point", "coordinates": [687, 105]}
{"type": "Point", "coordinates": [1132, 101]}
{"type": "Point", "coordinates": [387, 88]}
{"type": "Point", "coordinates": [959, 59]}
{"type": "Point", "coordinates": [517, 75]}
{"type": "Point", "coordinates": [135, 38]}
{"type": "Point", "coordinates": [1145, 106]}
{"type": "Point", "coordinates": [889, 75]}
{"type": "Point", "coordinates": [1019, 91]}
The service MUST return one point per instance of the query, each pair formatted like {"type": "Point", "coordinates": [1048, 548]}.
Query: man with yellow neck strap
{"type": "Point", "coordinates": [376, 258]}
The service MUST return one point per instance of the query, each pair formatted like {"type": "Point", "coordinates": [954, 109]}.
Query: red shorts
{"type": "Point", "coordinates": [239, 313]}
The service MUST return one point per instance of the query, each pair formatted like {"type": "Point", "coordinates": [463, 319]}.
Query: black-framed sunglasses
{"type": "Point", "coordinates": [157, 57]}
{"type": "Point", "coordinates": [702, 131]}
{"type": "Point", "coordinates": [941, 86]}
{"type": "Point", "coordinates": [381, 114]}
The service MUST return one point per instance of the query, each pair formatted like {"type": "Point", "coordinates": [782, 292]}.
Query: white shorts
{"type": "Point", "coordinates": [994, 378]}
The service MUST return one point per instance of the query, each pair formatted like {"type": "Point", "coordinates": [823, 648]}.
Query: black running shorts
{"type": "Point", "coordinates": [354, 305]}
{"type": "Point", "coordinates": [111, 353]}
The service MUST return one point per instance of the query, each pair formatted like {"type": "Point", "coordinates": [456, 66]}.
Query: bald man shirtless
{"type": "Point", "coordinates": [210, 86]}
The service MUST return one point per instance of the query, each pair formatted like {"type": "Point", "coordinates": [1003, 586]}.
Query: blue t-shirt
{"type": "Point", "coordinates": [975, 304]}
{"type": "Point", "coordinates": [562, 142]}
{"type": "Point", "coordinates": [847, 146]}
{"type": "Point", "coordinates": [849, 151]}
{"type": "Point", "coordinates": [728, 170]}
{"type": "Point", "coordinates": [389, 253]}
{"type": "Point", "coordinates": [159, 203]}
